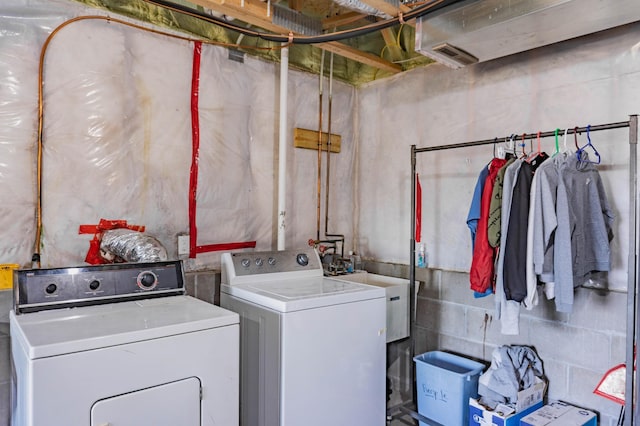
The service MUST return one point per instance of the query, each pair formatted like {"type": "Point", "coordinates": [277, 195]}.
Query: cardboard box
{"type": "Point", "coordinates": [528, 401]}
{"type": "Point", "coordinates": [560, 414]}
{"type": "Point", "coordinates": [501, 416]}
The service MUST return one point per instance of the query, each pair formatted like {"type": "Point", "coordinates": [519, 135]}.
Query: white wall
{"type": "Point", "coordinates": [594, 80]}
{"type": "Point", "coordinates": [117, 139]}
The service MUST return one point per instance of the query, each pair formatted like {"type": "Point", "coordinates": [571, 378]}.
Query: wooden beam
{"type": "Point", "coordinates": [362, 57]}
{"type": "Point", "coordinates": [389, 36]}
{"type": "Point", "coordinates": [250, 11]}
{"type": "Point", "coordinates": [342, 19]}
{"type": "Point", "coordinates": [295, 5]}
{"type": "Point", "coordinates": [254, 12]}
{"type": "Point", "coordinates": [303, 138]}
{"type": "Point", "coordinates": [395, 51]}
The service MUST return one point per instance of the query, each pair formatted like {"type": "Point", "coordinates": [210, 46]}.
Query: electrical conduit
{"type": "Point", "coordinates": [327, 234]}
{"type": "Point", "coordinates": [282, 148]}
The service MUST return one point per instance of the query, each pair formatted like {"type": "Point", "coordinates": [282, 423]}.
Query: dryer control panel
{"type": "Point", "coordinates": [42, 289]}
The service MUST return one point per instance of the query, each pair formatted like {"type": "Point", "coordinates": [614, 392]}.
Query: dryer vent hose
{"type": "Point", "coordinates": [131, 246]}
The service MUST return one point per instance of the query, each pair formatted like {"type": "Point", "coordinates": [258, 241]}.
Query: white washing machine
{"type": "Point", "coordinates": [120, 345]}
{"type": "Point", "coordinates": [312, 348]}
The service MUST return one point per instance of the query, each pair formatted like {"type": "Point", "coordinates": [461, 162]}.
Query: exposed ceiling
{"type": "Point", "coordinates": [362, 51]}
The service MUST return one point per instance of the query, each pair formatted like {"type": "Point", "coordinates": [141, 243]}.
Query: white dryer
{"type": "Point", "coordinates": [313, 349]}
{"type": "Point", "coordinates": [99, 346]}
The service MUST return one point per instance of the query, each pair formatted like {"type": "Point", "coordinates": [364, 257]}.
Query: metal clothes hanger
{"type": "Point", "coordinates": [501, 151]}
{"type": "Point", "coordinates": [511, 145]}
{"type": "Point", "coordinates": [524, 154]}
{"type": "Point", "coordinates": [588, 145]}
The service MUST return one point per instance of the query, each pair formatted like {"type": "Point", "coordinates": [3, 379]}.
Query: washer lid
{"type": "Point", "coordinates": [299, 294]}
{"type": "Point", "coordinates": [64, 331]}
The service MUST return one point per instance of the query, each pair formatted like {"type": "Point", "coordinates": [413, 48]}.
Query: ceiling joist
{"type": "Point", "coordinates": [341, 20]}
{"type": "Point", "coordinates": [257, 13]}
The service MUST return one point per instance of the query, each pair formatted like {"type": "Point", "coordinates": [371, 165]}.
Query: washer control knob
{"type": "Point", "coordinates": [302, 259]}
{"type": "Point", "coordinates": [272, 261]}
{"type": "Point", "coordinates": [93, 285]}
{"type": "Point", "coordinates": [245, 263]}
{"type": "Point", "coordinates": [147, 280]}
{"type": "Point", "coordinates": [259, 261]}
{"type": "Point", "coordinates": [51, 288]}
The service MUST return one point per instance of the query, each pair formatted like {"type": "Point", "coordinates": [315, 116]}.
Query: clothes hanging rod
{"type": "Point", "coordinates": [519, 136]}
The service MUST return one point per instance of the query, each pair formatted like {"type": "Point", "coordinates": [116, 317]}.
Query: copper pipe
{"type": "Point", "coordinates": [326, 200]}
{"type": "Point", "coordinates": [319, 180]}
{"type": "Point", "coordinates": [43, 51]}
{"type": "Point", "coordinates": [340, 237]}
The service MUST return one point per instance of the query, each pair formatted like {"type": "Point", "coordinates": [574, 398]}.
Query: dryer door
{"type": "Point", "coordinates": [175, 403]}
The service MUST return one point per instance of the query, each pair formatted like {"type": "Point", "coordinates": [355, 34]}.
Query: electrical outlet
{"type": "Point", "coordinates": [183, 245]}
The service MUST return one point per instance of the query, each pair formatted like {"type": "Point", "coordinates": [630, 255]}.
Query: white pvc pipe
{"type": "Point", "coordinates": [282, 148]}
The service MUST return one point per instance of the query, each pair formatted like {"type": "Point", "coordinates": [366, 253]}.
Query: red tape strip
{"type": "Point", "coordinates": [195, 150]}
{"type": "Point", "coordinates": [225, 246]}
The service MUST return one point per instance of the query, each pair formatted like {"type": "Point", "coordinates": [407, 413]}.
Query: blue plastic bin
{"type": "Point", "coordinates": [444, 384]}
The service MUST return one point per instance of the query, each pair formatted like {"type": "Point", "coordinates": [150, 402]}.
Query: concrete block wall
{"type": "Point", "coordinates": [204, 285]}
{"type": "Point", "coordinates": [576, 349]}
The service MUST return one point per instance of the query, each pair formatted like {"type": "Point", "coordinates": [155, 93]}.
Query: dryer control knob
{"type": "Point", "coordinates": [147, 280]}
{"type": "Point", "coordinates": [51, 288]}
{"type": "Point", "coordinates": [93, 285]}
{"type": "Point", "coordinates": [302, 259]}
{"type": "Point", "coordinates": [245, 263]}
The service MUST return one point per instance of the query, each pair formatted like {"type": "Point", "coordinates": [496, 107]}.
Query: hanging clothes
{"type": "Point", "coordinates": [474, 210]}
{"type": "Point", "coordinates": [515, 280]}
{"type": "Point", "coordinates": [507, 311]}
{"type": "Point", "coordinates": [544, 222]}
{"type": "Point", "coordinates": [531, 298]}
{"type": "Point", "coordinates": [535, 233]}
{"type": "Point", "coordinates": [482, 264]}
{"type": "Point", "coordinates": [474, 216]}
{"type": "Point", "coordinates": [495, 208]}
{"type": "Point", "coordinates": [584, 228]}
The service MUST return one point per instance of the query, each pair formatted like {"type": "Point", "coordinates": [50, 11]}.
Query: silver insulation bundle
{"type": "Point", "coordinates": [132, 246]}
{"type": "Point", "coordinates": [361, 7]}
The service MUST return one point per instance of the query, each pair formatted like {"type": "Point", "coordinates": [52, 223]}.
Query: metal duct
{"type": "Point", "coordinates": [296, 21]}
{"type": "Point", "coordinates": [475, 31]}
{"type": "Point", "coordinates": [131, 246]}
{"type": "Point", "coordinates": [358, 6]}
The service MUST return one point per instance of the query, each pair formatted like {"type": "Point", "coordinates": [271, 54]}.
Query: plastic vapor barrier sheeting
{"type": "Point", "coordinates": [593, 80]}
{"type": "Point", "coordinates": [117, 138]}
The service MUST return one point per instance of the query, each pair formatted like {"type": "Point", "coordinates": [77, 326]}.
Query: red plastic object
{"type": "Point", "coordinates": [93, 256]}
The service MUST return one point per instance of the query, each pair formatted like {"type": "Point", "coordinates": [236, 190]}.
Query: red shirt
{"type": "Point", "coordinates": [482, 265]}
